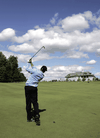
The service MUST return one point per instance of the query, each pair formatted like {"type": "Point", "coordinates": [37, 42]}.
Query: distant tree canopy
{"type": "Point", "coordinates": [9, 71]}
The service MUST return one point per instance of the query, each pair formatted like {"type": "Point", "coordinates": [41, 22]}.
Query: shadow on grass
{"type": "Point", "coordinates": [40, 110]}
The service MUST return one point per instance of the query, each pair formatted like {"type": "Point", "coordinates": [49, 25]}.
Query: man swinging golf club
{"type": "Point", "coordinates": [31, 91]}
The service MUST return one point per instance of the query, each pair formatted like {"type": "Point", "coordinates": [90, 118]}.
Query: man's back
{"type": "Point", "coordinates": [35, 77]}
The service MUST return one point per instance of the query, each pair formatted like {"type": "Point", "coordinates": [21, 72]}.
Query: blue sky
{"type": "Point", "coordinates": [69, 30]}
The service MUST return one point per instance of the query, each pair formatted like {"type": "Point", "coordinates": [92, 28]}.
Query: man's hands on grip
{"type": "Point", "coordinates": [30, 61]}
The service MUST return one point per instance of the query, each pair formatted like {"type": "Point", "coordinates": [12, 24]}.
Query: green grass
{"type": "Point", "coordinates": [75, 108]}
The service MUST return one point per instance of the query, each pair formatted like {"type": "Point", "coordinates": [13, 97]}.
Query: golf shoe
{"type": "Point", "coordinates": [37, 120]}
{"type": "Point", "coordinates": [31, 120]}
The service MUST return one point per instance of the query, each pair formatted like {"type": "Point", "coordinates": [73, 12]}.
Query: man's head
{"type": "Point", "coordinates": [43, 69]}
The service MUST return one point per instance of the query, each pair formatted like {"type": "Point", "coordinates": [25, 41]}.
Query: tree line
{"type": "Point", "coordinates": [84, 79]}
{"type": "Point", "coordinates": [9, 71]}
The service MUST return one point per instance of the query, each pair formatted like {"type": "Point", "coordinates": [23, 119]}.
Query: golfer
{"type": "Point", "coordinates": [31, 91]}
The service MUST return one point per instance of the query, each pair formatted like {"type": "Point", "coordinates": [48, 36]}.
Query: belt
{"type": "Point", "coordinates": [29, 85]}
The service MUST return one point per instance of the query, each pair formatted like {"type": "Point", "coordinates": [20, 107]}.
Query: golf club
{"type": "Point", "coordinates": [37, 52]}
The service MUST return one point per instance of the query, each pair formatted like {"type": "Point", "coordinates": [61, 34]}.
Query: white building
{"type": "Point", "coordinates": [75, 76]}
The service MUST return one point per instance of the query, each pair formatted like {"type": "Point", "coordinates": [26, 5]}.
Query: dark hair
{"type": "Point", "coordinates": [43, 69]}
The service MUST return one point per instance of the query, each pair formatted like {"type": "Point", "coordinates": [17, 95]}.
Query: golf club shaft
{"type": "Point", "coordinates": [37, 51]}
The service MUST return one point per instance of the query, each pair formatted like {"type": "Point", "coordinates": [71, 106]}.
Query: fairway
{"type": "Point", "coordinates": [75, 108]}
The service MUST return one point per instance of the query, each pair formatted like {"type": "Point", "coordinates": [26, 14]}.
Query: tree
{"type": "Point", "coordinates": [67, 79]}
{"type": "Point", "coordinates": [79, 79]}
{"type": "Point", "coordinates": [88, 80]}
{"type": "Point", "coordinates": [97, 79]}
{"type": "Point", "coordinates": [2, 73]}
{"type": "Point", "coordinates": [2, 67]}
{"type": "Point", "coordinates": [83, 79]}
{"type": "Point", "coordinates": [94, 79]}
{"type": "Point", "coordinates": [76, 75]}
{"type": "Point", "coordinates": [9, 71]}
{"type": "Point", "coordinates": [20, 69]}
{"type": "Point", "coordinates": [22, 77]}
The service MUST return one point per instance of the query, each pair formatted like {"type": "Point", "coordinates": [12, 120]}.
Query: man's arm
{"type": "Point", "coordinates": [32, 65]}
{"type": "Point", "coordinates": [27, 68]}
{"type": "Point", "coordinates": [30, 70]}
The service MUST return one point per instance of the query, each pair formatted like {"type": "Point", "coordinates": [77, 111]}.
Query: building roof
{"type": "Point", "coordinates": [79, 74]}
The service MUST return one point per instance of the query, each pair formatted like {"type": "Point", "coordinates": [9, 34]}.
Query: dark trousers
{"type": "Point", "coordinates": [31, 95]}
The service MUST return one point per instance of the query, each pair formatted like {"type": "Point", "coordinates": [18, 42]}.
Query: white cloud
{"type": "Point", "coordinates": [73, 54]}
{"type": "Point", "coordinates": [56, 39]}
{"type": "Point", "coordinates": [66, 37]}
{"type": "Point", "coordinates": [59, 68]}
{"type": "Point", "coordinates": [6, 34]}
{"type": "Point", "coordinates": [98, 22]}
{"type": "Point", "coordinates": [43, 56]}
{"type": "Point", "coordinates": [62, 42]}
{"type": "Point", "coordinates": [36, 27]}
{"type": "Point", "coordinates": [23, 48]}
{"type": "Point", "coordinates": [98, 50]}
{"type": "Point", "coordinates": [56, 15]}
{"type": "Point", "coordinates": [25, 58]}
{"type": "Point", "coordinates": [30, 35]}
{"type": "Point", "coordinates": [54, 72]}
{"type": "Point", "coordinates": [98, 12]}
{"type": "Point", "coordinates": [97, 74]}
{"type": "Point", "coordinates": [91, 62]}
{"type": "Point", "coordinates": [21, 58]}
{"type": "Point", "coordinates": [88, 15]}
{"type": "Point", "coordinates": [93, 18]}
{"type": "Point", "coordinates": [92, 47]}
{"type": "Point", "coordinates": [59, 72]}
{"type": "Point", "coordinates": [75, 22]}
{"type": "Point", "coordinates": [53, 20]}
